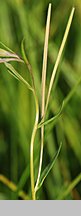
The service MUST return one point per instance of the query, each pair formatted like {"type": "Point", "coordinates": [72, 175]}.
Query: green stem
{"type": "Point", "coordinates": [44, 67]}
{"type": "Point", "coordinates": [32, 146]}
{"type": "Point", "coordinates": [41, 158]}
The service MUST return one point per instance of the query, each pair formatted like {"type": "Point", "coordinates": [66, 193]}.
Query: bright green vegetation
{"type": "Point", "coordinates": [40, 130]}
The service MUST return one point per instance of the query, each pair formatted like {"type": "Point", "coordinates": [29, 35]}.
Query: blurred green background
{"type": "Point", "coordinates": [27, 18]}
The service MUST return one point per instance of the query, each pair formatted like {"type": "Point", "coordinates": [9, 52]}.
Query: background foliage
{"type": "Point", "coordinates": [24, 18]}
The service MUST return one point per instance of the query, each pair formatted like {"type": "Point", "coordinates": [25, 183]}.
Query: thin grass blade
{"type": "Point", "coordinates": [14, 73]}
{"type": "Point", "coordinates": [44, 67]}
{"type": "Point", "coordinates": [4, 53]}
{"type": "Point", "coordinates": [45, 60]}
{"type": "Point", "coordinates": [59, 56]}
{"type": "Point", "coordinates": [27, 62]}
{"type": "Point", "coordinates": [7, 48]}
{"type": "Point", "coordinates": [3, 60]}
{"type": "Point", "coordinates": [72, 185]}
{"type": "Point", "coordinates": [13, 187]}
{"type": "Point", "coordinates": [64, 103]}
{"type": "Point", "coordinates": [48, 168]}
{"type": "Point", "coordinates": [54, 118]}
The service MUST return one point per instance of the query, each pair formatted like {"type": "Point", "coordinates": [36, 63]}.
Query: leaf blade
{"type": "Point", "coordinates": [4, 60]}
{"type": "Point", "coordinates": [43, 88]}
{"type": "Point", "coordinates": [14, 73]}
{"type": "Point", "coordinates": [54, 118]}
{"type": "Point", "coordinates": [59, 57]}
{"type": "Point", "coordinates": [8, 53]}
{"type": "Point", "coordinates": [71, 186]}
{"type": "Point", "coordinates": [27, 63]}
{"type": "Point", "coordinates": [7, 48]}
{"type": "Point", "coordinates": [48, 168]}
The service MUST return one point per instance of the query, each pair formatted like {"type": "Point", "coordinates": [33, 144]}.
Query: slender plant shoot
{"type": "Point", "coordinates": [59, 57]}
{"type": "Point", "coordinates": [6, 57]}
{"type": "Point", "coordinates": [43, 88]}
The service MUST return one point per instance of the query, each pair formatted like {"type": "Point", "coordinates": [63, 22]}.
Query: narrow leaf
{"type": "Point", "coordinates": [23, 51]}
{"type": "Point", "coordinates": [59, 56]}
{"type": "Point", "coordinates": [64, 103]}
{"type": "Point", "coordinates": [8, 53]}
{"type": "Point", "coordinates": [48, 168]}
{"type": "Point", "coordinates": [72, 92]}
{"type": "Point", "coordinates": [4, 53]}
{"type": "Point", "coordinates": [23, 178]}
{"type": "Point", "coordinates": [44, 67]}
{"type": "Point", "coordinates": [55, 118]}
{"type": "Point", "coordinates": [13, 187]}
{"type": "Point", "coordinates": [7, 48]}
{"type": "Point", "coordinates": [27, 62]}
{"type": "Point", "coordinates": [71, 186]}
{"type": "Point", "coordinates": [4, 60]}
{"type": "Point", "coordinates": [14, 73]}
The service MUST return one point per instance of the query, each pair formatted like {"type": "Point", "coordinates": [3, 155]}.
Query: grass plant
{"type": "Point", "coordinates": [42, 98]}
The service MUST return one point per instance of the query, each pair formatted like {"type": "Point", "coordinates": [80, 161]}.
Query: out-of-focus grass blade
{"type": "Point", "coordinates": [48, 168]}
{"type": "Point", "coordinates": [23, 51]}
{"type": "Point", "coordinates": [7, 48]}
{"type": "Point", "coordinates": [71, 93]}
{"type": "Point", "coordinates": [71, 131]}
{"type": "Point", "coordinates": [70, 188]}
{"type": "Point", "coordinates": [55, 118]}
{"type": "Point", "coordinates": [13, 187]}
{"type": "Point", "coordinates": [27, 62]}
{"type": "Point", "coordinates": [23, 178]}
{"type": "Point", "coordinates": [14, 73]}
